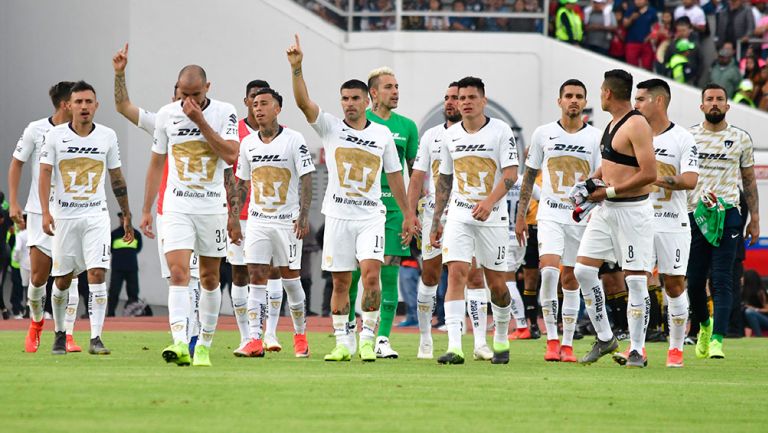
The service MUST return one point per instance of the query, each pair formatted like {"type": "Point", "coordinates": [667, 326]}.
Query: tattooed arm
{"type": "Point", "coordinates": [683, 181]}
{"type": "Point", "coordinates": [120, 189]}
{"type": "Point", "coordinates": [301, 226]}
{"type": "Point", "coordinates": [300, 92]}
{"type": "Point", "coordinates": [526, 189]}
{"type": "Point", "coordinates": [750, 196]}
{"type": "Point", "coordinates": [234, 202]}
{"type": "Point", "coordinates": [123, 103]}
{"type": "Point", "coordinates": [442, 194]}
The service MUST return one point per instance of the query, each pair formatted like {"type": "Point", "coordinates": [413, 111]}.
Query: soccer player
{"type": "Point", "coordinates": [28, 148]}
{"type": "Point", "coordinates": [76, 157]}
{"type": "Point", "coordinates": [145, 120]}
{"type": "Point", "coordinates": [357, 151]}
{"type": "Point", "coordinates": [677, 164]}
{"type": "Point", "coordinates": [425, 167]}
{"type": "Point", "coordinates": [726, 159]}
{"type": "Point", "coordinates": [200, 136]}
{"type": "Point", "coordinates": [275, 164]}
{"type": "Point", "coordinates": [565, 151]}
{"type": "Point", "coordinates": [478, 166]}
{"type": "Point", "coordinates": [620, 231]}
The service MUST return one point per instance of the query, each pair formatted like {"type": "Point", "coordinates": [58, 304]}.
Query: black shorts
{"type": "Point", "coordinates": [531, 258]}
{"type": "Point", "coordinates": [608, 268]}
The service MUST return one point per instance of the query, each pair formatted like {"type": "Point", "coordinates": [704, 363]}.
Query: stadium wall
{"type": "Point", "coordinates": [238, 40]}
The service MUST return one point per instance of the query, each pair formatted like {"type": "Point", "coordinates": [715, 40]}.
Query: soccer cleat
{"type": "Point", "coordinates": [59, 343]}
{"type": "Point", "coordinates": [32, 341]}
{"type": "Point", "coordinates": [384, 349]}
{"type": "Point", "coordinates": [482, 353]}
{"type": "Point", "coordinates": [451, 358]}
{"type": "Point", "coordinates": [192, 344]}
{"type": "Point", "coordinates": [177, 353]}
{"type": "Point", "coordinates": [622, 358]}
{"type": "Point", "coordinates": [702, 340]}
{"type": "Point", "coordinates": [202, 357]}
{"type": "Point", "coordinates": [240, 351]}
{"type": "Point", "coordinates": [716, 350]}
{"type": "Point", "coordinates": [366, 351]}
{"type": "Point", "coordinates": [636, 360]}
{"type": "Point", "coordinates": [339, 353]}
{"type": "Point", "coordinates": [253, 349]}
{"type": "Point", "coordinates": [521, 334]}
{"type": "Point", "coordinates": [566, 354]}
{"type": "Point", "coordinates": [300, 346]}
{"type": "Point", "coordinates": [425, 349]}
{"type": "Point", "coordinates": [271, 344]}
{"type": "Point", "coordinates": [97, 347]}
{"type": "Point", "coordinates": [675, 358]}
{"type": "Point", "coordinates": [500, 353]}
{"type": "Point", "coordinates": [600, 349]}
{"type": "Point", "coordinates": [553, 351]}
{"type": "Point", "coordinates": [535, 332]}
{"type": "Point", "coordinates": [71, 345]}
{"type": "Point", "coordinates": [351, 339]}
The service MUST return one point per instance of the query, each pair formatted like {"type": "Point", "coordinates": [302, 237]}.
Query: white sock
{"type": "Point", "coordinates": [193, 312]}
{"type": "Point", "coordinates": [296, 302]}
{"type": "Point", "coordinates": [501, 317]}
{"type": "Point", "coordinates": [517, 306]}
{"type": "Point", "coordinates": [368, 330]}
{"type": "Point", "coordinates": [477, 308]}
{"type": "Point", "coordinates": [257, 308]}
{"type": "Point", "coordinates": [548, 299]}
{"type": "Point", "coordinates": [570, 315]}
{"type": "Point", "coordinates": [59, 299]}
{"type": "Point", "coordinates": [240, 307]}
{"type": "Point", "coordinates": [425, 306]}
{"type": "Point", "coordinates": [594, 299]}
{"type": "Point", "coordinates": [36, 301]}
{"type": "Point", "coordinates": [454, 321]}
{"type": "Point", "coordinates": [275, 295]}
{"type": "Point", "coordinates": [340, 328]}
{"type": "Point", "coordinates": [638, 310]}
{"type": "Point", "coordinates": [71, 312]}
{"type": "Point", "coordinates": [677, 312]}
{"type": "Point", "coordinates": [179, 312]}
{"type": "Point", "coordinates": [210, 304]}
{"type": "Point", "coordinates": [97, 308]}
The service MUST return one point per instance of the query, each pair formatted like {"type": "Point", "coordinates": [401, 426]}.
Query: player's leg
{"type": "Point", "coordinates": [515, 258]}
{"type": "Point", "coordinates": [239, 292]}
{"type": "Point", "coordinates": [67, 254]}
{"type": "Point", "coordinates": [287, 259]}
{"type": "Point", "coordinates": [193, 314]}
{"type": "Point", "coordinates": [551, 246]}
{"type": "Point", "coordinates": [531, 285]}
{"type": "Point", "coordinates": [274, 307]}
{"type": "Point", "coordinates": [458, 251]}
{"type": "Point", "coordinates": [210, 304]}
{"type": "Point", "coordinates": [721, 277]}
{"type": "Point", "coordinates": [97, 309]}
{"type": "Point", "coordinates": [258, 259]}
{"type": "Point", "coordinates": [340, 260]}
{"type": "Point", "coordinates": [394, 250]}
{"type": "Point", "coordinates": [672, 250]}
{"type": "Point", "coordinates": [40, 269]}
{"type": "Point", "coordinates": [699, 264]}
{"type": "Point", "coordinates": [477, 309]}
{"type": "Point", "coordinates": [491, 253]}
{"type": "Point", "coordinates": [426, 295]}
{"type": "Point", "coordinates": [570, 286]}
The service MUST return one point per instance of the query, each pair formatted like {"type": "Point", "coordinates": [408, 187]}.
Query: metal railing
{"type": "Point", "coordinates": [398, 13]}
{"type": "Point", "coordinates": [750, 41]}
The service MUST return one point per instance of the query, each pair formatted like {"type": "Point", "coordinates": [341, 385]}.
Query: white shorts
{"type": "Point", "coordinates": [205, 235]}
{"type": "Point", "coordinates": [561, 240]}
{"type": "Point", "coordinates": [81, 244]}
{"type": "Point", "coordinates": [194, 262]}
{"type": "Point", "coordinates": [265, 244]}
{"type": "Point", "coordinates": [235, 253]}
{"type": "Point", "coordinates": [348, 242]}
{"type": "Point", "coordinates": [36, 236]}
{"type": "Point", "coordinates": [515, 255]}
{"type": "Point", "coordinates": [671, 251]}
{"type": "Point", "coordinates": [620, 233]}
{"type": "Point", "coordinates": [427, 251]}
{"type": "Point", "coordinates": [488, 244]}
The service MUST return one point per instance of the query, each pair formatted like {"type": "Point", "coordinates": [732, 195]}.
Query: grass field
{"type": "Point", "coordinates": [133, 390]}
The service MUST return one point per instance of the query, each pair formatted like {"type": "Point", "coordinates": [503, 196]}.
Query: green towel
{"type": "Point", "coordinates": [711, 220]}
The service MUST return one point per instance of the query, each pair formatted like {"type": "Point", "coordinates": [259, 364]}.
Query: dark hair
{"type": "Point", "coordinates": [354, 84]}
{"type": "Point", "coordinates": [683, 20]}
{"type": "Point", "coordinates": [654, 85]}
{"type": "Point", "coordinates": [81, 86]}
{"type": "Point", "coordinates": [753, 287]}
{"type": "Point", "coordinates": [275, 95]}
{"type": "Point", "coordinates": [472, 82]}
{"type": "Point", "coordinates": [194, 70]}
{"type": "Point", "coordinates": [454, 84]}
{"type": "Point", "coordinates": [60, 92]}
{"type": "Point", "coordinates": [711, 86]}
{"type": "Point", "coordinates": [619, 82]}
{"type": "Point", "coordinates": [573, 82]}
{"type": "Point", "coordinates": [255, 83]}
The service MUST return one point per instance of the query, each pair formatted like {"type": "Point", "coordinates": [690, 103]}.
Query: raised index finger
{"type": "Point", "coordinates": [296, 38]}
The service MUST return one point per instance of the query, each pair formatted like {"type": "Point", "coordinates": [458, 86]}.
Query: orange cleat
{"type": "Point", "coordinates": [566, 354]}
{"type": "Point", "coordinates": [71, 345]}
{"type": "Point", "coordinates": [553, 351]}
{"type": "Point", "coordinates": [521, 334]}
{"type": "Point", "coordinates": [32, 342]}
{"type": "Point", "coordinates": [300, 346]}
{"type": "Point", "coordinates": [675, 358]}
{"type": "Point", "coordinates": [254, 349]}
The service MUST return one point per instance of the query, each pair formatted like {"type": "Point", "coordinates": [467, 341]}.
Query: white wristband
{"type": "Point", "coordinates": [610, 192]}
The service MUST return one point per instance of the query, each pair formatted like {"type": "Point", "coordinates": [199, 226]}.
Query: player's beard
{"type": "Point", "coordinates": [714, 118]}
{"type": "Point", "coordinates": [453, 119]}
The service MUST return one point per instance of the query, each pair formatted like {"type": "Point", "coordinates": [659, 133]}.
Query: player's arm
{"type": "Point", "coordinates": [410, 222]}
{"type": "Point", "coordinates": [684, 181]}
{"type": "Point", "coordinates": [227, 150]}
{"type": "Point", "coordinates": [123, 103]}
{"type": "Point", "coordinates": [14, 177]}
{"type": "Point", "coordinates": [641, 137]}
{"type": "Point", "coordinates": [526, 191]}
{"type": "Point", "coordinates": [414, 189]}
{"type": "Point", "coordinates": [300, 94]}
{"type": "Point", "coordinates": [443, 188]}
{"type": "Point", "coordinates": [151, 186]}
{"type": "Point", "coordinates": [750, 196]}
{"type": "Point", "coordinates": [120, 189]}
{"type": "Point", "coordinates": [305, 202]}
{"type": "Point", "coordinates": [44, 191]}
{"type": "Point", "coordinates": [234, 206]}
{"type": "Point", "coordinates": [483, 210]}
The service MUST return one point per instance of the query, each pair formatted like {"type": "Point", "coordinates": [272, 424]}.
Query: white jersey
{"type": "Point", "coordinates": [355, 160]}
{"type": "Point", "coordinates": [28, 150]}
{"type": "Point", "coordinates": [147, 121]}
{"type": "Point", "coordinates": [675, 154]}
{"type": "Point", "coordinates": [80, 166]}
{"type": "Point", "coordinates": [195, 172]}
{"type": "Point", "coordinates": [274, 170]}
{"type": "Point", "coordinates": [563, 159]}
{"type": "Point", "coordinates": [476, 161]}
{"type": "Point", "coordinates": [428, 161]}
{"type": "Point", "coordinates": [722, 155]}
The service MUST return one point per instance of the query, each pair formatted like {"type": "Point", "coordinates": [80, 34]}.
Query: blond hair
{"type": "Point", "coordinates": [373, 76]}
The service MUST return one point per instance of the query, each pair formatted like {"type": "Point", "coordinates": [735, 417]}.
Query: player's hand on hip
{"type": "Point", "coordinates": [521, 231]}
{"type": "Point", "coordinates": [301, 227]}
{"type": "Point", "coordinates": [193, 111]}
{"type": "Point", "coordinates": [482, 210]}
{"type": "Point", "coordinates": [753, 231]}
{"type": "Point", "coordinates": [435, 235]}
{"type": "Point", "coordinates": [146, 225]}
{"type": "Point", "coordinates": [17, 216]}
{"type": "Point", "coordinates": [48, 225]}
{"type": "Point", "coordinates": [295, 55]}
{"type": "Point", "coordinates": [120, 60]}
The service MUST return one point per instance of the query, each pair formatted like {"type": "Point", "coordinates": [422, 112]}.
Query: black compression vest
{"type": "Point", "coordinates": [606, 143]}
